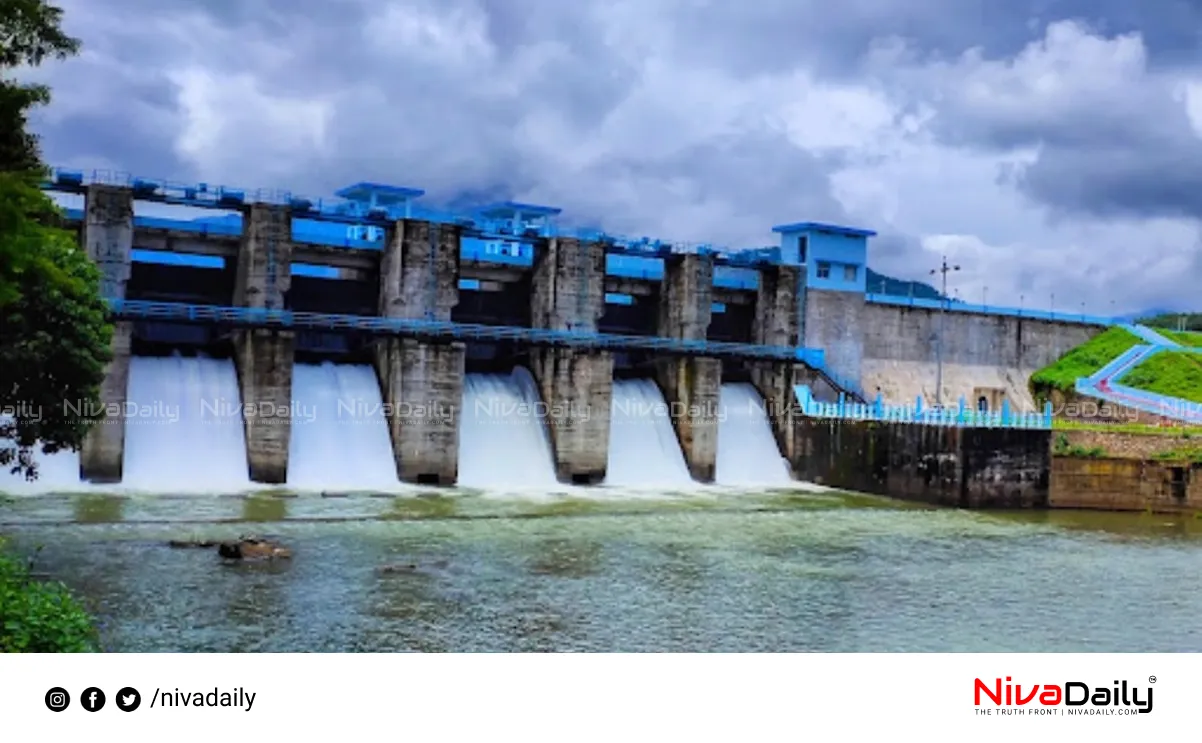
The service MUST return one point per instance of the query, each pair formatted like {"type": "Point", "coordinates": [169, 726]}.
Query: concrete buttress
{"type": "Point", "coordinates": [108, 233]}
{"type": "Point", "coordinates": [777, 324]}
{"type": "Point", "coordinates": [421, 382]}
{"type": "Point", "coordinates": [568, 293]}
{"type": "Point", "coordinates": [691, 385]}
{"type": "Point", "coordinates": [264, 358]}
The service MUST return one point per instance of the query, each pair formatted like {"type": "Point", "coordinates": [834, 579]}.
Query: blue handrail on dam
{"type": "Point", "coordinates": [988, 309]}
{"type": "Point", "coordinates": [1105, 382]}
{"type": "Point", "coordinates": [248, 317]}
{"type": "Point", "coordinates": [961, 415]}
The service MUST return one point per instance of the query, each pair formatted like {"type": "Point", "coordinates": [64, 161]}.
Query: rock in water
{"type": "Point", "coordinates": [253, 548]}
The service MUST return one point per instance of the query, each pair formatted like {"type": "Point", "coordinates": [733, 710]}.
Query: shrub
{"type": "Point", "coordinates": [41, 616]}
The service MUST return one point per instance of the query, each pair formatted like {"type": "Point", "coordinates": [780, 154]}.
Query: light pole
{"type": "Point", "coordinates": [943, 269]}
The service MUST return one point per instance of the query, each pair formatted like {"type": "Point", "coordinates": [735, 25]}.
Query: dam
{"type": "Point", "coordinates": [369, 342]}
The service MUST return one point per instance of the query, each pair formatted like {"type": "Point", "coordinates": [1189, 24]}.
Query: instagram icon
{"type": "Point", "coordinates": [57, 699]}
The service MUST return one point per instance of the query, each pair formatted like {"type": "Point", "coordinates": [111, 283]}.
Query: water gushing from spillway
{"type": "Point", "coordinates": [504, 442]}
{"type": "Point", "coordinates": [748, 454]}
{"type": "Point", "coordinates": [340, 439]}
{"type": "Point", "coordinates": [644, 451]}
{"type": "Point", "coordinates": [183, 427]}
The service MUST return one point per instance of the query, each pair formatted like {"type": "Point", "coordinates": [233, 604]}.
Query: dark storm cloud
{"type": "Point", "coordinates": [625, 113]}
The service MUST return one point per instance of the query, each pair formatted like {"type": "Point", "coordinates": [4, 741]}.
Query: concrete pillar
{"type": "Point", "coordinates": [422, 385]}
{"type": "Point", "coordinates": [776, 324]}
{"type": "Point", "coordinates": [108, 235]}
{"type": "Point", "coordinates": [422, 382]}
{"type": "Point", "coordinates": [691, 385]}
{"type": "Point", "coordinates": [568, 293]}
{"type": "Point", "coordinates": [264, 358]}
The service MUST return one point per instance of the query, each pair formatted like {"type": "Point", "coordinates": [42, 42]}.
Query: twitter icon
{"type": "Point", "coordinates": [128, 699]}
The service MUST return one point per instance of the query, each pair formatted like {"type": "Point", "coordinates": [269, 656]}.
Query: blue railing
{"type": "Point", "coordinates": [432, 329]}
{"type": "Point", "coordinates": [987, 309]}
{"type": "Point", "coordinates": [210, 196]}
{"type": "Point", "coordinates": [1105, 384]}
{"type": "Point", "coordinates": [960, 415]}
{"type": "Point", "coordinates": [1150, 335]}
{"type": "Point", "coordinates": [632, 267]}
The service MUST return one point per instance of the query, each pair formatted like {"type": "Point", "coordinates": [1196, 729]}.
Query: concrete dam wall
{"type": "Point", "coordinates": [416, 272]}
{"type": "Point", "coordinates": [895, 349]}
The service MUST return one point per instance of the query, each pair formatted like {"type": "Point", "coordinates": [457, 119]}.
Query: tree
{"type": "Point", "coordinates": [54, 335]}
{"type": "Point", "coordinates": [30, 31]}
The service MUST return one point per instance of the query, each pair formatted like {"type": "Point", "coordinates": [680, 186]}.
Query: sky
{"type": "Point", "coordinates": [1050, 148]}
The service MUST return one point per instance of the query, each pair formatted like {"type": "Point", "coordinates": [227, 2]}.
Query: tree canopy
{"type": "Point", "coordinates": [54, 335]}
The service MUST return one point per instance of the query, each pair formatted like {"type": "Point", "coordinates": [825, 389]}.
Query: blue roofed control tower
{"type": "Point", "coordinates": [831, 298]}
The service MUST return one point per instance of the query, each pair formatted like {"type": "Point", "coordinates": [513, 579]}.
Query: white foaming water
{"type": "Point", "coordinates": [57, 473]}
{"type": "Point", "coordinates": [340, 439]}
{"type": "Point", "coordinates": [503, 438]}
{"type": "Point", "coordinates": [747, 451]}
{"type": "Point", "coordinates": [644, 451]}
{"type": "Point", "coordinates": [183, 427]}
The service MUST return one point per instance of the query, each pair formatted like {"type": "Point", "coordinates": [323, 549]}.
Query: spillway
{"type": "Point", "coordinates": [503, 438]}
{"type": "Point", "coordinates": [748, 454]}
{"type": "Point", "coordinates": [183, 427]}
{"type": "Point", "coordinates": [644, 451]}
{"type": "Point", "coordinates": [340, 439]}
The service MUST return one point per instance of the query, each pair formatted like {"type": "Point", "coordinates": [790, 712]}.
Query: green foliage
{"type": "Point", "coordinates": [1062, 448]}
{"type": "Point", "coordinates": [30, 31]}
{"type": "Point", "coordinates": [1082, 361]}
{"type": "Point", "coordinates": [1171, 321]}
{"type": "Point", "coordinates": [1193, 455]}
{"type": "Point", "coordinates": [1187, 338]}
{"type": "Point", "coordinates": [41, 616]}
{"type": "Point", "coordinates": [1139, 429]}
{"type": "Point", "coordinates": [54, 336]}
{"type": "Point", "coordinates": [1170, 373]}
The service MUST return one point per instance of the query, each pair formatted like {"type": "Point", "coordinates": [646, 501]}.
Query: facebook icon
{"type": "Point", "coordinates": [92, 699]}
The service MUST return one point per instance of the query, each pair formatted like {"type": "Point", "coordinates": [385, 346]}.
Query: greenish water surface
{"type": "Point", "coordinates": [734, 572]}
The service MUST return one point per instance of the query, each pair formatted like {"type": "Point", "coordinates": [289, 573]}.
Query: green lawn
{"type": "Point", "coordinates": [1082, 361]}
{"type": "Point", "coordinates": [1185, 338]}
{"type": "Point", "coordinates": [1171, 373]}
{"type": "Point", "coordinates": [1143, 429]}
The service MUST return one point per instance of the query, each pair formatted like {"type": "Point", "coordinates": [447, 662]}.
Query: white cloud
{"type": "Point", "coordinates": [647, 118]}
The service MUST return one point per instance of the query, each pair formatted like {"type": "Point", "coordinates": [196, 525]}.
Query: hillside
{"type": "Point", "coordinates": [1187, 338]}
{"type": "Point", "coordinates": [1082, 361]}
{"type": "Point", "coordinates": [1170, 373]}
{"type": "Point", "coordinates": [879, 283]}
{"type": "Point", "coordinates": [1172, 320]}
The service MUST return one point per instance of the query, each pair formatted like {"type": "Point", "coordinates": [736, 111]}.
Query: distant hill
{"type": "Point", "coordinates": [1169, 320]}
{"type": "Point", "coordinates": [879, 283]}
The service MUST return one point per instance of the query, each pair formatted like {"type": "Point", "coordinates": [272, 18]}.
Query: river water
{"type": "Point", "coordinates": [767, 571]}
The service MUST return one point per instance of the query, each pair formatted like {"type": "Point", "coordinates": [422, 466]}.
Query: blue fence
{"type": "Point", "coordinates": [342, 211]}
{"type": "Point", "coordinates": [471, 248]}
{"type": "Point", "coordinates": [288, 320]}
{"type": "Point", "coordinates": [987, 309]}
{"type": "Point", "coordinates": [960, 415]}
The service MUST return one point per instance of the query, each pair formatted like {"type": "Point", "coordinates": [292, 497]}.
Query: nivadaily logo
{"type": "Point", "coordinates": [1072, 697]}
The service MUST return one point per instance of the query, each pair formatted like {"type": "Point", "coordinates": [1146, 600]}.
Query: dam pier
{"type": "Point", "coordinates": [413, 304]}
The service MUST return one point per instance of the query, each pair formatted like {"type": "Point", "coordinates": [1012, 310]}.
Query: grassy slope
{"type": "Point", "coordinates": [1082, 361]}
{"type": "Point", "coordinates": [1170, 373]}
{"type": "Point", "coordinates": [1186, 338]}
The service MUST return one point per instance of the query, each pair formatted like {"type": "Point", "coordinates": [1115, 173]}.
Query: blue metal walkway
{"type": "Point", "coordinates": [1105, 383]}
{"type": "Point", "coordinates": [245, 317]}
